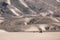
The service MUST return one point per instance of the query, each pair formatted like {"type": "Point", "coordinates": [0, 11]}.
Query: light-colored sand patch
{"type": "Point", "coordinates": [30, 36]}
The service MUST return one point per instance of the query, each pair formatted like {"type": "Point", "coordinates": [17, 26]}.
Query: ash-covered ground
{"type": "Point", "coordinates": [30, 15]}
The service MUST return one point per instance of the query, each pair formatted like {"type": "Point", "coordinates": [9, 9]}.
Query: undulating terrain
{"type": "Point", "coordinates": [30, 19]}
